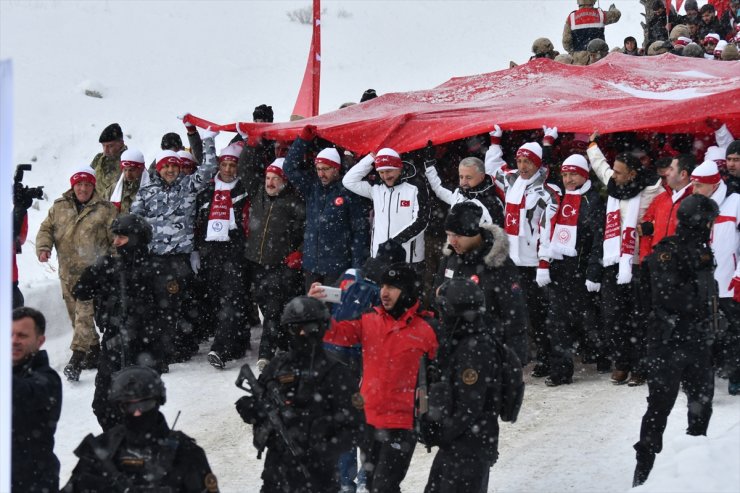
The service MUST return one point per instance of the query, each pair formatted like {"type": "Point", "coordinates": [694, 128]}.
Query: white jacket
{"type": "Point", "coordinates": [726, 239]}
{"type": "Point", "coordinates": [400, 212]}
{"type": "Point", "coordinates": [452, 198]}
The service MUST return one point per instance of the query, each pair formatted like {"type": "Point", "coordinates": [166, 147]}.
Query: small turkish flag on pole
{"type": "Point", "coordinates": [307, 103]}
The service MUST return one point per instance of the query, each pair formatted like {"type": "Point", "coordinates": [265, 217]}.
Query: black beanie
{"type": "Point", "coordinates": [403, 277]}
{"type": "Point", "coordinates": [733, 148]}
{"type": "Point", "coordinates": [110, 133]}
{"type": "Point", "coordinates": [464, 219]}
{"type": "Point", "coordinates": [389, 252]}
{"type": "Point", "coordinates": [368, 95]}
{"type": "Point", "coordinates": [171, 141]}
{"type": "Point", "coordinates": [263, 112]}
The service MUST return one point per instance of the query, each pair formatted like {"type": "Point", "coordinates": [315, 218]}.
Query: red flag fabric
{"type": "Point", "coordinates": [679, 4]}
{"type": "Point", "coordinates": [619, 93]}
{"type": "Point", "coordinates": [721, 6]}
{"type": "Point", "coordinates": [307, 104]}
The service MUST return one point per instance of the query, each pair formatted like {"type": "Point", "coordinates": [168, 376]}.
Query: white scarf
{"type": "Point", "coordinates": [676, 196]}
{"type": "Point", "coordinates": [620, 237]}
{"type": "Point", "coordinates": [117, 194]}
{"type": "Point", "coordinates": [565, 230]}
{"type": "Point", "coordinates": [516, 215]}
{"type": "Point", "coordinates": [221, 215]}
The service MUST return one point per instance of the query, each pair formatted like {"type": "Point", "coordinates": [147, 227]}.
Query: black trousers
{"type": "Point", "coordinates": [456, 472]}
{"type": "Point", "coordinates": [670, 367]}
{"type": "Point", "coordinates": [621, 320]}
{"type": "Point", "coordinates": [537, 301]}
{"type": "Point", "coordinates": [386, 458]}
{"type": "Point", "coordinates": [173, 279]}
{"type": "Point", "coordinates": [727, 346]}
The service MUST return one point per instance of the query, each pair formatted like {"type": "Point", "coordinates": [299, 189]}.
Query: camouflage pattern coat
{"type": "Point", "coordinates": [79, 237]}
{"type": "Point", "coordinates": [170, 208]}
{"type": "Point", "coordinates": [107, 172]}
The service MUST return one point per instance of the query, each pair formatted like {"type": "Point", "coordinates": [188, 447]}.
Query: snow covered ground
{"type": "Point", "coordinates": [152, 60]}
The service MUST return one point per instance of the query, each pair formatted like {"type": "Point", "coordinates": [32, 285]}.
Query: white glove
{"type": "Point", "coordinates": [188, 126]}
{"type": "Point", "coordinates": [241, 132]}
{"type": "Point", "coordinates": [496, 132]}
{"type": "Point", "coordinates": [593, 287]}
{"type": "Point", "coordinates": [543, 277]}
{"type": "Point", "coordinates": [208, 134]}
{"type": "Point", "coordinates": [261, 364]}
{"type": "Point", "coordinates": [195, 261]}
{"type": "Point", "coordinates": [551, 134]}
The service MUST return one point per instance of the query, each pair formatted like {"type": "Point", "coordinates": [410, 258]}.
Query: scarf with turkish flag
{"type": "Point", "coordinates": [620, 237]}
{"type": "Point", "coordinates": [221, 216]}
{"type": "Point", "coordinates": [565, 225]}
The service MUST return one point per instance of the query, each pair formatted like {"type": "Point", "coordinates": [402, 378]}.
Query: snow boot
{"type": "Point", "coordinates": [92, 358]}
{"type": "Point", "coordinates": [74, 367]}
{"type": "Point", "coordinates": [215, 360]}
{"type": "Point", "coordinates": [645, 461]}
{"type": "Point", "coordinates": [553, 381]}
{"type": "Point", "coordinates": [540, 370]}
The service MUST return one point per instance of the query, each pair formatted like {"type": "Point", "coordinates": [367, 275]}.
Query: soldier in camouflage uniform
{"type": "Point", "coordinates": [78, 225]}
{"type": "Point", "coordinates": [168, 204]}
{"type": "Point", "coordinates": [107, 164]}
{"type": "Point", "coordinates": [133, 177]}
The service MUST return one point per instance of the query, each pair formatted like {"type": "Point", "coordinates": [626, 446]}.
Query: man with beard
{"type": "Point", "coordinates": [122, 288]}
{"type": "Point", "coordinates": [316, 406]}
{"type": "Point", "coordinates": [393, 337]}
{"type": "Point", "coordinates": [142, 453]}
{"type": "Point", "coordinates": [679, 340]}
{"type": "Point", "coordinates": [132, 178]}
{"type": "Point", "coordinates": [631, 188]}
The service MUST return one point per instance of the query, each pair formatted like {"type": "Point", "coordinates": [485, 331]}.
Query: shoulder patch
{"type": "Point", "coordinates": [469, 376]}
{"type": "Point", "coordinates": [664, 257]}
{"type": "Point", "coordinates": [211, 483]}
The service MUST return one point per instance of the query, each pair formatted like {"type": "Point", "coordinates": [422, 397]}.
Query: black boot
{"type": "Point", "coordinates": [645, 461]}
{"type": "Point", "coordinates": [74, 367]}
{"type": "Point", "coordinates": [92, 357]}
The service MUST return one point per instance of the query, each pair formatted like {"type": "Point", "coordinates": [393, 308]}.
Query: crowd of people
{"type": "Point", "coordinates": [463, 262]}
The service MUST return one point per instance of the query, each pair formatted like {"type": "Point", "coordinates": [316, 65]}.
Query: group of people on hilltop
{"type": "Point", "coordinates": [701, 32]}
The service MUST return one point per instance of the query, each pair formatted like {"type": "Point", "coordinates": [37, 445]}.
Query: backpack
{"type": "Point", "coordinates": [509, 401]}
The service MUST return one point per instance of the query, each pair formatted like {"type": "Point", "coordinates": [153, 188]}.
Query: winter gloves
{"type": "Point", "coordinates": [551, 135]}
{"type": "Point", "coordinates": [308, 133]}
{"type": "Point", "coordinates": [496, 134]}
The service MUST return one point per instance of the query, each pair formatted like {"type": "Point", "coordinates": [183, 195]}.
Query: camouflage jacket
{"type": "Point", "coordinates": [128, 195]}
{"type": "Point", "coordinates": [107, 171]}
{"type": "Point", "coordinates": [79, 237]}
{"type": "Point", "coordinates": [170, 209]}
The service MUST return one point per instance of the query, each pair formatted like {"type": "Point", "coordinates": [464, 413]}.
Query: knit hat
{"type": "Point", "coordinates": [403, 277]}
{"type": "Point", "coordinates": [733, 148]}
{"type": "Point", "coordinates": [730, 53]}
{"type": "Point", "coordinates": [171, 141]}
{"type": "Point", "coordinates": [693, 50]}
{"type": "Point", "coordinates": [575, 163]}
{"type": "Point", "coordinates": [706, 172]}
{"type": "Point", "coordinates": [230, 153]}
{"type": "Point", "coordinates": [86, 173]}
{"type": "Point", "coordinates": [110, 133]}
{"type": "Point", "coordinates": [682, 41]}
{"type": "Point", "coordinates": [531, 151]}
{"type": "Point", "coordinates": [277, 168]}
{"type": "Point", "coordinates": [718, 49]}
{"type": "Point", "coordinates": [389, 252]}
{"type": "Point", "coordinates": [690, 5]}
{"type": "Point", "coordinates": [132, 158]}
{"type": "Point", "coordinates": [167, 157]}
{"type": "Point", "coordinates": [464, 219]}
{"type": "Point", "coordinates": [368, 95]}
{"type": "Point", "coordinates": [263, 112]}
{"type": "Point", "coordinates": [387, 159]}
{"type": "Point", "coordinates": [716, 154]}
{"type": "Point", "coordinates": [329, 157]}
{"type": "Point", "coordinates": [187, 160]}
{"type": "Point", "coordinates": [680, 30]}
{"type": "Point", "coordinates": [711, 37]}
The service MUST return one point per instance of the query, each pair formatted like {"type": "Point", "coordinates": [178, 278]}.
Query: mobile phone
{"type": "Point", "coordinates": [333, 295]}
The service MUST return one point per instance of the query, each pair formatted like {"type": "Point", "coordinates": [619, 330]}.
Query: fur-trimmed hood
{"type": "Point", "coordinates": [499, 252]}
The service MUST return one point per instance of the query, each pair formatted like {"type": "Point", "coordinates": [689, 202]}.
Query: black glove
{"type": "Point", "coordinates": [429, 154]}
{"type": "Point", "coordinates": [647, 228]}
{"type": "Point", "coordinates": [247, 409]}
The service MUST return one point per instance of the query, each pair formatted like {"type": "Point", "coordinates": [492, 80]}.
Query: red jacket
{"type": "Point", "coordinates": [662, 213]}
{"type": "Point", "coordinates": [391, 350]}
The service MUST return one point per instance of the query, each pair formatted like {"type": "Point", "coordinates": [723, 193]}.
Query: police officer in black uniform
{"type": "Point", "coordinates": [679, 346]}
{"type": "Point", "coordinates": [465, 424]}
{"type": "Point", "coordinates": [315, 406]}
{"type": "Point", "coordinates": [122, 287]}
{"type": "Point", "coordinates": [143, 454]}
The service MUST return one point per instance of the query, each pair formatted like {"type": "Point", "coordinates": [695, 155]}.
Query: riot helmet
{"type": "Point", "coordinates": [137, 387]}
{"type": "Point", "coordinates": [306, 320]}
{"type": "Point", "coordinates": [460, 299]}
{"type": "Point", "coordinates": [136, 228]}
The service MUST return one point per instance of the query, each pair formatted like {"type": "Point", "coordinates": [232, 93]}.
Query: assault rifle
{"type": "Point", "coordinates": [269, 402]}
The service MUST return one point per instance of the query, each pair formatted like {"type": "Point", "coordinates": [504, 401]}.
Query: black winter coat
{"type": "Point", "coordinates": [491, 268]}
{"type": "Point", "coordinates": [237, 236]}
{"type": "Point", "coordinates": [37, 403]}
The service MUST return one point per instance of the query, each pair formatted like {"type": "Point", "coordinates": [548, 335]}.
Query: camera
{"type": "Point", "coordinates": [22, 195]}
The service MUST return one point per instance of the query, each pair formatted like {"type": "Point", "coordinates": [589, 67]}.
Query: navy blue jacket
{"type": "Point", "coordinates": [337, 234]}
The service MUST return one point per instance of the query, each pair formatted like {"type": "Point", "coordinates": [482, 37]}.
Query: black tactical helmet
{"type": "Point", "coordinates": [137, 383]}
{"type": "Point", "coordinates": [308, 313]}
{"type": "Point", "coordinates": [460, 298]}
{"type": "Point", "coordinates": [138, 230]}
{"type": "Point", "coordinates": [696, 212]}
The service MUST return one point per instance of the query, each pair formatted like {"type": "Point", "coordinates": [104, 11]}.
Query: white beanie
{"type": "Point", "coordinates": [575, 163]}
{"type": "Point", "coordinates": [531, 151]}
{"type": "Point", "coordinates": [167, 157]}
{"type": "Point", "coordinates": [706, 172]}
{"type": "Point", "coordinates": [387, 158]}
{"type": "Point", "coordinates": [186, 156]}
{"type": "Point", "coordinates": [230, 153]}
{"type": "Point", "coordinates": [277, 167]}
{"type": "Point", "coordinates": [330, 157]}
{"type": "Point", "coordinates": [132, 158]}
{"type": "Point", "coordinates": [718, 49]}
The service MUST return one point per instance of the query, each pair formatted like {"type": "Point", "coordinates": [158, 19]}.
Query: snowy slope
{"type": "Point", "coordinates": [219, 59]}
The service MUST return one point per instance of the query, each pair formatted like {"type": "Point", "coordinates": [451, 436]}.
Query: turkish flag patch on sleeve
{"type": "Point", "coordinates": [405, 203]}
